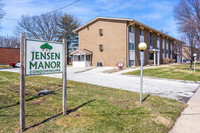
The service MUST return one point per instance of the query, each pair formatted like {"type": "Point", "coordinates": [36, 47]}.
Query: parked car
{"type": "Point", "coordinates": [185, 60]}
{"type": "Point", "coordinates": [17, 64]}
{"type": "Point", "coordinates": [12, 64]}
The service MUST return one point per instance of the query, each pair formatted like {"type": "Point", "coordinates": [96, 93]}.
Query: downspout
{"type": "Point", "coordinates": [127, 41]}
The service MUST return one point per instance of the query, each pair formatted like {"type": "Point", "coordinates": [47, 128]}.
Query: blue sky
{"type": "Point", "coordinates": [154, 13]}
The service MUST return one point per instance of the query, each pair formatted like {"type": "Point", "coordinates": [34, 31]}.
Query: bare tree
{"type": "Point", "coordinates": [50, 27]}
{"type": "Point", "coordinates": [163, 31]}
{"type": "Point", "coordinates": [43, 27]}
{"type": "Point", "coordinates": [9, 42]}
{"type": "Point", "coordinates": [1, 10]}
{"type": "Point", "coordinates": [187, 14]}
{"type": "Point", "coordinates": [1, 7]}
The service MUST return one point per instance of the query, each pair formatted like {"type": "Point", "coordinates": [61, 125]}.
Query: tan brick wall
{"type": "Point", "coordinates": [137, 41]}
{"type": "Point", "coordinates": [147, 41]}
{"type": "Point", "coordinates": [8, 55]}
{"type": "Point", "coordinates": [169, 49]}
{"type": "Point", "coordinates": [165, 47]}
{"type": "Point", "coordinates": [161, 47]}
{"type": "Point", "coordinates": [114, 41]}
{"type": "Point", "coordinates": [155, 44]}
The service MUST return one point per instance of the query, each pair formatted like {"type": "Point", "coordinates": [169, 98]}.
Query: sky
{"type": "Point", "coordinates": [157, 14]}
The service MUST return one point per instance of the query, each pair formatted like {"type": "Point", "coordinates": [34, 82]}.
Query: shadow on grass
{"type": "Point", "coordinates": [146, 98]}
{"type": "Point", "coordinates": [59, 114]}
{"type": "Point", "coordinates": [17, 103]}
{"type": "Point", "coordinates": [29, 99]}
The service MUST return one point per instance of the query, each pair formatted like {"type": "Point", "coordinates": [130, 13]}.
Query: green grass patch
{"type": "Point", "coordinates": [91, 108]}
{"type": "Point", "coordinates": [181, 72]}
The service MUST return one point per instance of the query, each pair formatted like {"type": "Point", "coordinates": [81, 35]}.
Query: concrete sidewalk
{"type": "Point", "coordinates": [189, 121]}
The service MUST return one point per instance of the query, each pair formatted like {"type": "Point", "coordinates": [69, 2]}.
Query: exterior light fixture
{"type": "Point", "coordinates": [142, 46]}
{"type": "Point", "coordinates": [195, 56]}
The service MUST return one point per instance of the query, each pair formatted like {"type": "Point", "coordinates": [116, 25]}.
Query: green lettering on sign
{"type": "Point", "coordinates": [48, 56]}
{"type": "Point", "coordinates": [37, 55]}
{"type": "Point", "coordinates": [57, 56]}
{"type": "Point", "coordinates": [58, 64]}
{"type": "Point", "coordinates": [33, 65]}
{"type": "Point", "coordinates": [52, 56]}
{"type": "Point", "coordinates": [47, 64]}
{"type": "Point", "coordinates": [53, 64]}
{"type": "Point", "coordinates": [40, 65]}
{"type": "Point", "coordinates": [42, 55]}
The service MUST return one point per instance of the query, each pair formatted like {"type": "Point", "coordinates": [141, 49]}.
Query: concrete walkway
{"type": "Point", "coordinates": [189, 121]}
{"type": "Point", "coordinates": [177, 90]}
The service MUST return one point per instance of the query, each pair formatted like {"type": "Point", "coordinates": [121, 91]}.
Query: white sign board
{"type": "Point", "coordinates": [43, 57]}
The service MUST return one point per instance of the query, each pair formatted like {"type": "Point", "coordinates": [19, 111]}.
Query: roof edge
{"type": "Point", "coordinates": [119, 19]}
{"type": "Point", "coordinates": [129, 20]}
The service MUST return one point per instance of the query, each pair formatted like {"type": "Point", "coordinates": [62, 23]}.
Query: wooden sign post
{"type": "Point", "coordinates": [64, 77]}
{"type": "Point", "coordinates": [37, 58]}
{"type": "Point", "coordinates": [22, 82]}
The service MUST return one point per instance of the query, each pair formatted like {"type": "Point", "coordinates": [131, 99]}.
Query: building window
{"type": "Point", "coordinates": [167, 46]}
{"type": "Point", "coordinates": [131, 29]}
{"type": "Point", "coordinates": [163, 44]}
{"type": "Point", "coordinates": [101, 32]}
{"type": "Point", "coordinates": [163, 50]}
{"type": "Point", "coordinates": [158, 38]}
{"type": "Point", "coordinates": [101, 47]}
{"type": "Point", "coordinates": [131, 46]}
{"type": "Point", "coordinates": [171, 47]}
{"type": "Point", "coordinates": [87, 57]}
{"type": "Point", "coordinates": [87, 27]}
{"type": "Point", "coordinates": [151, 44]}
{"type": "Point", "coordinates": [158, 42]}
{"type": "Point", "coordinates": [78, 57]}
{"type": "Point", "coordinates": [131, 62]}
{"type": "Point", "coordinates": [150, 56]}
{"type": "Point", "coordinates": [141, 32]}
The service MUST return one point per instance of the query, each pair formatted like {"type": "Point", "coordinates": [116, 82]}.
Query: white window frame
{"type": "Point", "coordinates": [163, 47]}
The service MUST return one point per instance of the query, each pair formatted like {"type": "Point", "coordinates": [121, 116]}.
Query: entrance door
{"type": "Point", "coordinates": [158, 58]}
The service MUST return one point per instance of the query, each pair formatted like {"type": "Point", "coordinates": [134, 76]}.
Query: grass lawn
{"type": "Point", "coordinates": [181, 72]}
{"type": "Point", "coordinates": [91, 108]}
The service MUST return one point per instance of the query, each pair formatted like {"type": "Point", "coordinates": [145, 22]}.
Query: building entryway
{"type": "Point", "coordinates": [154, 55]}
{"type": "Point", "coordinates": [81, 58]}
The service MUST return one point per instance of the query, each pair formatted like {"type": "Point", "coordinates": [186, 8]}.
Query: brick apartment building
{"type": "Point", "coordinates": [113, 40]}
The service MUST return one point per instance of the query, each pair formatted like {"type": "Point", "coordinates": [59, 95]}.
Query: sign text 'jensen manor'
{"type": "Point", "coordinates": [44, 58]}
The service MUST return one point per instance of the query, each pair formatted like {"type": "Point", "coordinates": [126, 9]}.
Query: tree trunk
{"type": "Point", "coordinates": [67, 53]}
{"type": "Point", "coordinates": [191, 53]}
{"type": "Point", "coordinates": [191, 64]}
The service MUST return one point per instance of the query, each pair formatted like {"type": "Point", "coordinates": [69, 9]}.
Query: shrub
{"type": "Point", "coordinates": [151, 62]}
{"type": "Point", "coordinates": [166, 61]}
{"type": "Point", "coordinates": [173, 60]}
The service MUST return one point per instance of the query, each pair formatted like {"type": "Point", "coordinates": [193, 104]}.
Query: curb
{"type": "Point", "coordinates": [178, 80]}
